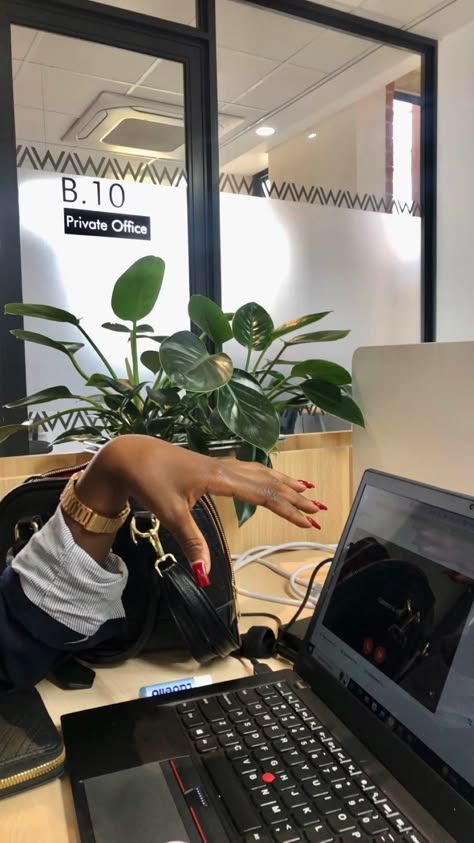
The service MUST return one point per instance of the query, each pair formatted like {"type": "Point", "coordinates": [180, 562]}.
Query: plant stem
{"type": "Point", "coordinates": [247, 362]}
{"type": "Point", "coordinates": [259, 358]}
{"type": "Point", "coordinates": [78, 368]}
{"type": "Point", "coordinates": [272, 362]}
{"type": "Point", "coordinates": [98, 352]}
{"type": "Point", "coordinates": [133, 347]}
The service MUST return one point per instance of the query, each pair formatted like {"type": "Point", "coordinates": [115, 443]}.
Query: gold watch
{"type": "Point", "coordinates": [84, 515]}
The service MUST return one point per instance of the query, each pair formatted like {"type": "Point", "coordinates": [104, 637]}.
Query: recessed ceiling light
{"type": "Point", "coordinates": [265, 131]}
{"type": "Point", "coordinates": [312, 135]}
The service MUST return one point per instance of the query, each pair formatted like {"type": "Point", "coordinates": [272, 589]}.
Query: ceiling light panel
{"type": "Point", "coordinates": [92, 59]}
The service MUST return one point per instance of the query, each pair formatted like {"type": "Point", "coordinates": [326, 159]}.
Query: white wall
{"type": "Point", "coordinates": [455, 306]}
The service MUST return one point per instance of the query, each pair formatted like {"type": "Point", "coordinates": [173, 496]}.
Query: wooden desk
{"type": "Point", "coordinates": [46, 814]}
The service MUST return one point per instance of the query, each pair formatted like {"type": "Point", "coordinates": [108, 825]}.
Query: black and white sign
{"type": "Point", "coordinates": [104, 224]}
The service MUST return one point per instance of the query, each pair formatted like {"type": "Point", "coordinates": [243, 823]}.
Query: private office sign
{"type": "Point", "coordinates": [111, 223]}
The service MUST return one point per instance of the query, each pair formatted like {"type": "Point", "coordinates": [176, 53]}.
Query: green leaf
{"type": "Point", "coordinates": [151, 361]}
{"type": "Point", "coordinates": [197, 440]}
{"type": "Point", "coordinates": [248, 413]}
{"type": "Point", "coordinates": [52, 393]}
{"type": "Point", "coordinates": [331, 398]}
{"type": "Point", "coordinates": [8, 430]}
{"type": "Point", "coordinates": [252, 326]}
{"type": "Point", "coordinates": [296, 324]}
{"type": "Point", "coordinates": [145, 329]}
{"type": "Point", "coordinates": [41, 311]}
{"type": "Point", "coordinates": [322, 370]}
{"type": "Point", "coordinates": [317, 336]}
{"type": "Point", "coordinates": [208, 316]}
{"type": "Point", "coordinates": [167, 397]}
{"type": "Point", "coordinates": [116, 326]}
{"type": "Point", "coordinates": [159, 338]}
{"type": "Point", "coordinates": [136, 291]}
{"type": "Point", "coordinates": [79, 434]}
{"type": "Point", "coordinates": [187, 362]}
{"type": "Point", "coordinates": [113, 402]}
{"type": "Point", "coordinates": [104, 382]}
{"type": "Point", "coordinates": [31, 336]}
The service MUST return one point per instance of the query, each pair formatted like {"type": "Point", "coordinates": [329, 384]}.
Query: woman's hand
{"type": "Point", "coordinates": [168, 480]}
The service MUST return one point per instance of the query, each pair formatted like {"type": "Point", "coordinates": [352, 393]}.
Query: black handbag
{"type": "Point", "coordinates": [164, 607]}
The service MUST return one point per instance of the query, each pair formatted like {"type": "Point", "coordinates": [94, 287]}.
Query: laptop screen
{"type": "Point", "coordinates": [396, 625]}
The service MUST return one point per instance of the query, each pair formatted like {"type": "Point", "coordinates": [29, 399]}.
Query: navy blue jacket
{"type": "Point", "coordinates": [31, 642]}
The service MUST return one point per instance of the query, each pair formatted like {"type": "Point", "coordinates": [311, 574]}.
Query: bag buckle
{"type": "Point", "coordinates": [33, 524]}
{"type": "Point", "coordinates": [153, 538]}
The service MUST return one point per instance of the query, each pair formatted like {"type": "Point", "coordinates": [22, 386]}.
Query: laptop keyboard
{"type": "Point", "coordinates": [282, 775]}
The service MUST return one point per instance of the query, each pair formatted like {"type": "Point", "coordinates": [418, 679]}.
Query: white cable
{"type": "Point", "coordinates": [258, 555]}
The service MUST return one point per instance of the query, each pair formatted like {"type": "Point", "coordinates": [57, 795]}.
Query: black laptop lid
{"type": "Point", "coordinates": [395, 622]}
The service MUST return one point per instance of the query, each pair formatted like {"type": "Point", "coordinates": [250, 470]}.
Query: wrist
{"type": "Point", "coordinates": [103, 486]}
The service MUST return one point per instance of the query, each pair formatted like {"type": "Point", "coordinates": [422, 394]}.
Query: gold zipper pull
{"type": "Point", "coordinates": [153, 538]}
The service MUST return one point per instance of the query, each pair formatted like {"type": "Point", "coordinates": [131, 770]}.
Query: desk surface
{"type": "Point", "coordinates": [46, 814]}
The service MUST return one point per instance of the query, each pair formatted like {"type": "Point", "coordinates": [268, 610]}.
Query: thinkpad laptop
{"type": "Point", "coordinates": [369, 740]}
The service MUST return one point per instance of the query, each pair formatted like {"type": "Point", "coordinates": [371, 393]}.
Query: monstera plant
{"type": "Point", "coordinates": [192, 393]}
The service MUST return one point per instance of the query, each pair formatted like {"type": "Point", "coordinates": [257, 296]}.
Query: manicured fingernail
{"type": "Point", "coordinates": [320, 505]}
{"type": "Point", "coordinates": [313, 523]}
{"type": "Point", "coordinates": [200, 574]}
{"type": "Point", "coordinates": [306, 484]}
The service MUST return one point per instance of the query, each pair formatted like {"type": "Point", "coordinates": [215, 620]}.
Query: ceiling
{"type": "Point", "coordinates": [271, 68]}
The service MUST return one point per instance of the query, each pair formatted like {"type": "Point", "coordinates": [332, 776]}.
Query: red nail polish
{"type": "Point", "coordinates": [313, 523]}
{"type": "Point", "coordinates": [306, 484]}
{"type": "Point", "coordinates": [200, 574]}
{"type": "Point", "coordinates": [320, 505]}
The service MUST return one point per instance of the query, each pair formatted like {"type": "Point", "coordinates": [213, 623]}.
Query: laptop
{"type": "Point", "coordinates": [370, 739]}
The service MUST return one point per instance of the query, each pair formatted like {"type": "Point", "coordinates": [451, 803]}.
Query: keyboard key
{"type": "Point", "coordinates": [274, 814]}
{"type": "Point", "coordinates": [274, 699]}
{"type": "Point", "coordinates": [238, 715]}
{"type": "Point", "coordinates": [219, 726]}
{"type": "Point", "coordinates": [353, 769]}
{"type": "Point", "coordinates": [332, 772]}
{"type": "Point", "coordinates": [283, 782]}
{"type": "Point", "coordinates": [262, 752]}
{"type": "Point", "coordinates": [341, 757]}
{"type": "Point", "coordinates": [229, 702]}
{"type": "Point", "coordinates": [256, 708]}
{"type": "Point", "coordinates": [283, 744]}
{"type": "Point", "coordinates": [321, 758]}
{"type": "Point", "coordinates": [310, 745]}
{"type": "Point", "coordinates": [254, 739]}
{"type": "Point", "coordinates": [386, 837]}
{"type": "Point", "coordinates": [257, 837]}
{"type": "Point", "coordinates": [236, 801]}
{"type": "Point", "coordinates": [238, 750]}
{"type": "Point", "coordinates": [354, 836]}
{"type": "Point", "coordinates": [274, 731]}
{"type": "Point", "coordinates": [286, 833]}
{"type": "Point", "coordinates": [324, 736]}
{"type": "Point", "coordinates": [327, 804]}
{"type": "Point", "coordinates": [193, 718]}
{"type": "Point", "coordinates": [376, 796]}
{"type": "Point", "coordinates": [184, 707]}
{"type": "Point", "coordinates": [252, 780]}
{"type": "Point", "coordinates": [199, 732]}
{"type": "Point", "coordinates": [316, 787]}
{"type": "Point", "coordinates": [365, 784]}
{"type": "Point", "coordinates": [386, 808]}
{"type": "Point", "coordinates": [306, 815]}
{"type": "Point", "coordinates": [266, 719]}
{"type": "Point", "coordinates": [206, 745]}
{"type": "Point", "coordinates": [210, 709]}
{"type": "Point", "coordinates": [245, 765]}
{"type": "Point", "coordinates": [299, 732]}
{"type": "Point", "coordinates": [228, 738]}
{"type": "Point", "coordinates": [263, 796]}
{"type": "Point", "coordinates": [290, 720]}
{"type": "Point", "coordinates": [296, 704]}
{"type": "Point", "coordinates": [247, 695]}
{"type": "Point", "coordinates": [400, 823]}
{"type": "Point", "coordinates": [265, 690]}
{"type": "Point", "coordinates": [341, 821]}
{"type": "Point", "coordinates": [373, 823]}
{"type": "Point", "coordinates": [346, 788]}
{"type": "Point", "coordinates": [302, 772]}
{"type": "Point", "coordinates": [245, 727]}
{"type": "Point", "coordinates": [313, 725]}
{"type": "Point", "coordinates": [332, 746]}
{"type": "Point", "coordinates": [306, 714]}
{"type": "Point", "coordinates": [293, 757]}
{"type": "Point", "coordinates": [281, 709]}
{"type": "Point", "coordinates": [414, 837]}
{"type": "Point", "coordinates": [284, 689]}
{"type": "Point", "coordinates": [294, 798]}
{"type": "Point", "coordinates": [274, 765]}
{"type": "Point", "coordinates": [359, 805]}
{"type": "Point", "coordinates": [319, 833]}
